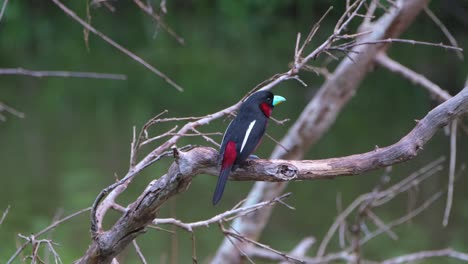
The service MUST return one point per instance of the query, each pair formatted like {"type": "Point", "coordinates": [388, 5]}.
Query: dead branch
{"type": "Point", "coordinates": [65, 74]}
{"type": "Point", "coordinates": [9, 109]}
{"type": "Point", "coordinates": [254, 243]}
{"type": "Point", "coordinates": [265, 254]}
{"type": "Point", "coordinates": [301, 249]}
{"type": "Point", "coordinates": [5, 213]}
{"type": "Point", "coordinates": [139, 253]}
{"type": "Point", "coordinates": [45, 230]}
{"type": "Point", "coordinates": [346, 46]}
{"type": "Point", "coordinates": [453, 158]}
{"type": "Point", "coordinates": [36, 244]}
{"type": "Point", "coordinates": [149, 11]}
{"type": "Point", "coordinates": [141, 213]}
{"type": "Point", "coordinates": [444, 30]}
{"type": "Point", "coordinates": [379, 199]}
{"type": "Point", "coordinates": [414, 77]}
{"type": "Point", "coordinates": [225, 216]}
{"type": "Point", "coordinates": [130, 54]}
{"type": "Point", "coordinates": [4, 5]}
{"type": "Point", "coordinates": [427, 254]}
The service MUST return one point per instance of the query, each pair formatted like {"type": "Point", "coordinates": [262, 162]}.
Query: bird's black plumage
{"type": "Point", "coordinates": [243, 135]}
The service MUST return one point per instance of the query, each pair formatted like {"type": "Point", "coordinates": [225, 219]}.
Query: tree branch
{"type": "Point", "coordinates": [114, 44]}
{"type": "Point", "coordinates": [203, 160]}
{"type": "Point", "coordinates": [427, 254]}
{"type": "Point", "coordinates": [40, 74]}
{"type": "Point", "coordinates": [394, 66]}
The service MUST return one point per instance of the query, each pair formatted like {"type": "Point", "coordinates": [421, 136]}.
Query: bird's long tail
{"type": "Point", "coordinates": [222, 179]}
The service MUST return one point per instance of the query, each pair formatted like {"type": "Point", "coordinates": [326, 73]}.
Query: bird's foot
{"type": "Point", "coordinates": [252, 156]}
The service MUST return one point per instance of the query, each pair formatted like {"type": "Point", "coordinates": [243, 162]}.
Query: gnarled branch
{"type": "Point", "coordinates": [203, 160]}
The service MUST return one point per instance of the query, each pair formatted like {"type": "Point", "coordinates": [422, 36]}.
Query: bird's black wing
{"type": "Point", "coordinates": [253, 129]}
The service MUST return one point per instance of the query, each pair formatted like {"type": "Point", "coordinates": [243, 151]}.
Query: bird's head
{"type": "Point", "coordinates": [265, 100]}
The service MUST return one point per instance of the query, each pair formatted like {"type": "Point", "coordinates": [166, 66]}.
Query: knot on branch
{"type": "Point", "coordinates": [287, 171]}
{"type": "Point", "coordinates": [192, 161]}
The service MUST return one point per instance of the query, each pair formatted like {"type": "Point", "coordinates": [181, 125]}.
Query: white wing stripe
{"type": "Point", "coordinates": [247, 133]}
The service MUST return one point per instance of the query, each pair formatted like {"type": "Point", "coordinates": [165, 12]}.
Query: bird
{"type": "Point", "coordinates": [243, 135]}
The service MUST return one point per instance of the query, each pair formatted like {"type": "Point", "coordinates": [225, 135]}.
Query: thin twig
{"type": "Point", "coordinates": [11, 110]}
{"type": "Point", "coordinates": [4, 215]}
{"type": "Point", "coordinates": [258, 244]}
{"type": "Point", "coordinates": [139, 253]}
{"type": "Point", "coordinates": [453, 158]}
{"type": "Point", "coordinates": [36, 246]}
{"type": "Point", "coordinates": [418, 256]}
{"type": "Point", "coordinates": [45, 230]}
{"type": "Point", "coordinates": [5, 2]}
{"type": "Point", "coordinates": [73, 15]}
{"type": "Point", "coordinates": [149, 11]}
{"type": "Point", "coordinates": [194, 249]}
{"type": "Point", "coordinates": [395, 40]}
{"type": "Point", "coordinates": [378, 199]}
{"type": "Point", "coordinates": [413, 76]}
{"type": "Point", "coordinates": [65, 74]}
{"type": "Point", "coordinates": [403, 219]}
{"type": "Point", "coordinates": [225, 216]}
{"type": "Point", "coordinates": [444, 30]}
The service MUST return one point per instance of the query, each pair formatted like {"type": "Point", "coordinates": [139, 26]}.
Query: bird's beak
{"type": "Point", "coordinates": [278, 100]}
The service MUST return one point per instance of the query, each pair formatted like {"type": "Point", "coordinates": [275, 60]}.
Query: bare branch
{"type": "Point", "coordinates": [405, 149]}
{"type": "Point", "coordinates": [225, 216]}
{"type": "Point", "coordinates": [203, 160]}
{"type": "Point", "coordinates": [139, 253]}
{"type": "Point", "coordinates": [5, 213]}
{"type": "Point", "coordinates": [36, 246]}
{"type": "Point", "coordinates": [73, 15]}
{"type": "Point", "coordinates": [453, 158]}
{"type": "Point", "coordinates": [395, 40]}
{"type": "Point", "coordinates": [149, 11]}
{"type": "Point", "coordinates": [427, 254]}
{"type": "Point", "coordinates": [402, 219]}
{"type": "Point", "coordinates": [379, 199]}
{"type": "Point", "coordinates": [5, 3]}
{"type": "Point", "coordinates": [265, 254]}
{"type": "Point", "coordinates": [11, 110]}
{"type": "Point", "coordinates": [301, 249]}
{"type": "Point", "coordinates": [444, 30]}
{"type": "Point", "coordinates": [414, 77]}
{"type": "Point", "coordinates": [65, 74]}
{"type": "Point", "coordinates": [260, 245]}
{"type": "Point", "coordinates": [45, 230]}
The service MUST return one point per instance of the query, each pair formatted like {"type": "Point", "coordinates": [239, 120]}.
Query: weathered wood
{"type": "Point", "coordinates": [202, 160]}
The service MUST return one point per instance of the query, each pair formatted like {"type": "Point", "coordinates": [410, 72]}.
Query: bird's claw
{"type": "Point", "coordinates": [253, 156]}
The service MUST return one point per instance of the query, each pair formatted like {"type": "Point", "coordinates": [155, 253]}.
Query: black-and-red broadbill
{"type": "Point", "coordinates": [243, 135]}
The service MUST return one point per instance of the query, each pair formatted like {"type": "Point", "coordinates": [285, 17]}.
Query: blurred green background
{"type": "Point", "coordinates": [76, 134]}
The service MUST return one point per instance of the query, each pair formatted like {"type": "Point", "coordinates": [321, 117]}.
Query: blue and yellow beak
{"type": "Point", "coordinates": [278, 100]}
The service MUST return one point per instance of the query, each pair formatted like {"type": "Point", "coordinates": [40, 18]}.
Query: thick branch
{"type": "Point", "coordinates": [203, 160]}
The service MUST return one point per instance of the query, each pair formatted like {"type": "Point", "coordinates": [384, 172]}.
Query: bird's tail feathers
{"type": "Point", "coordinates": [222, 179]}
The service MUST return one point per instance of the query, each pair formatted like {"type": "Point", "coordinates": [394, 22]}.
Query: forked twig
{"type": "Point", "coordinates": [130, 54]}
{"type": "Point", "coordinates": [45, 230]}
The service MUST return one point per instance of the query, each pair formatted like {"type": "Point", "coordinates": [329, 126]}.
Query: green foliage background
{"type": "Point", "coordinates": [77, 132]}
